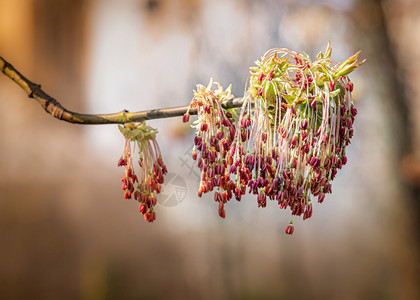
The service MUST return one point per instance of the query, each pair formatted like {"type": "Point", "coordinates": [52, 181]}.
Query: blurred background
{"type": "Point", "coordinates": [67, 233]}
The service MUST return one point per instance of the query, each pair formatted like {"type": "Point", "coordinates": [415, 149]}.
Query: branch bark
{"type": "Point", "coordinates": [54, 108]}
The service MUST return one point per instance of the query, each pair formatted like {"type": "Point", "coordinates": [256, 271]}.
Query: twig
{"type": "Point", "coordinates": [53, 107]}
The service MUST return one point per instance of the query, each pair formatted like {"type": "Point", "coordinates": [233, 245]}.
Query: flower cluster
{"type": "Point", "coordinates": [144, 186]}
{"type": "Point", "coordinates": [215, 133]}
{"type": "Point", "coordinates": [290, 138]}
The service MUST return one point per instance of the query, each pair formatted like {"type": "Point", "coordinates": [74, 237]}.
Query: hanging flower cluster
{"type": "Point", "coordinates": [290, 138]}
{"type": "Point", "coordinates": [144, 185]}
{"type": "Point", "coordinates": [215, 134]}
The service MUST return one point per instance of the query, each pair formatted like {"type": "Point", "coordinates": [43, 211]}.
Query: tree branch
{"type": "Point", "coordinates": [54, 108]}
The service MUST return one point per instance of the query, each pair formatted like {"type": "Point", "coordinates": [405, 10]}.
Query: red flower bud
{"type": "Point", "coordinates": [304, 124]}
{"type": "Point", "coordinates": [289, 229]}
{"type": "Point", "coordinates": [349, 86]}
{"type": "Point", "coordinates": [332, 85]}
{"type": "Point", "coordinates": [127, 194]}
{"type": "Point", "coordinates": [222, 212]}
{"type": "Point", "coordinates": [321, 197]}
{"type": "Point", "coordinates": [147, 216]}
{"type": "Point", "coordinates": [220, 135]}
{"type": "Point", "coordinates": [203, 126]}
{"type": "Point", "coordinates": [293, 109]}
{"type": "Point", "coordinates": [353, 111]}
{"type": "Point", "coordinates": [270, 75]}
{"type": "Point", "coordinates": [142, 208]}
{"type": "Point", "coordinates": [264, 137]}
{"type": "Point", "coordinates": [261, 76]}
{"type": "Point", "coordinates": [186, 117]}
{"type": "Point", "coordinates": [259, 91]}
{"type": "Point", "coordinates": [160, 161]}
{"type": "Point", "coordinates": [122, 162]}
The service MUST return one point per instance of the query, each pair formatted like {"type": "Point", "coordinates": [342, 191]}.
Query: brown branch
{"type": "Point", "coordinates": [54, 108]}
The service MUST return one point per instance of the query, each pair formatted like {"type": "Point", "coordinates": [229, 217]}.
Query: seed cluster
{"type": "Point", "coordinates": [289, 139]}
{"type": "Point", "coordinates": [147, 184]}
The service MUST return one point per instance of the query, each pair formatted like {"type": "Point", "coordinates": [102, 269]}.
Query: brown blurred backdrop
{"type": "Point", "coordinates": [66, 232]}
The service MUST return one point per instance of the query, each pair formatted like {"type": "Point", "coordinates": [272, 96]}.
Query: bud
{"type": "Point", "coordinates": [349, 86]}
{"type": "Point", "coordinates": [127, 194]}
{"type": "Point", "coordinates": [270, 75]}
{"type": "Point", "coordinates": [186, 117]}
{"type": "Point", "coordinates": [304, 125]}
{"type": "Point", "coordinates": [142, 208]}
{"type": "Point", "coordinates": [203, 127]}
{"type": "Point", "coordinates": [289, 229]}
{"type": "Point", "coordinates": [332, 85]}
{"type": "Point", "coordinates": [122, 162]}
{"type": "Point", "coordinates": [264, 137]}
{"type": "Point", "coordinates": [261, 76]}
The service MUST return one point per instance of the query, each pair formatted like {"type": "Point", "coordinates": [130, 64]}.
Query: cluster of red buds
{"type": "Point", "coordinates": [215, 133]}
{"type": "Point", "coordinates": [290, 137]}
{"type": "Point", "coordinates": [147, 183]}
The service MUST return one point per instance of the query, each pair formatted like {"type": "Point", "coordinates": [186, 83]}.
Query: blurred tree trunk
{"type": "Point", "coordinates": [59, 48]}
{"type": "Point", "coordinates": [40, 253]}
{"type": "Point", "coordinates": [372, 34]}
{"type": "Point", "coordinates": [374, 37]}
